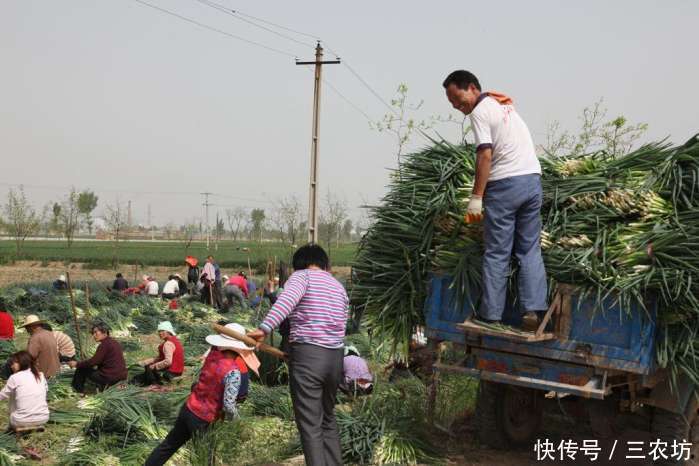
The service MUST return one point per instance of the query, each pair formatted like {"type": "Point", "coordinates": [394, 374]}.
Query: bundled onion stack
{"type": "Point", "coordinates": [622, 226]}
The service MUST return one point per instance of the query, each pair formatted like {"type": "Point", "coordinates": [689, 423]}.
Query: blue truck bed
{"type": "Point", "coordinates": [591, 338]}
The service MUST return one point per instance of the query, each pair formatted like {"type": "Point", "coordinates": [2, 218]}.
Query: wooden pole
{"type": "Point", "coordinates": [87, 302]}
{"type": "Point", "coordinates": [75, 315]}
{"type": "Point", "coordinates": [250, 341]}
{"type": "Point", "coordinates": [135, 274]}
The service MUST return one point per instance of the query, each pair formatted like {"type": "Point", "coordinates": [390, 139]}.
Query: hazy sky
{"type": "Point", "coordinates": [138, 105]}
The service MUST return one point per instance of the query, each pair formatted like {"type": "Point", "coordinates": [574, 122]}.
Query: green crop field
{"type": "Point", "coordinates": [100, 253]}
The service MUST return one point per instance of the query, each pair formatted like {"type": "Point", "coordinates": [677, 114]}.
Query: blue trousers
{"type": "Point", "coordinates": [512, 225]}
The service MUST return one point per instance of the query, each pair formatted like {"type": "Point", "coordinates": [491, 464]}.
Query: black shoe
{"type": "Point", "coordinates": [478, 319]}
{"type": "Point", "coordinates": [530, 321]}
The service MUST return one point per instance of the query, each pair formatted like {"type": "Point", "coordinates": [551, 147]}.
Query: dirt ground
{"type": "Point", "coordinates": [460, 446]}
{"type": "Point", "coordinates": [34, 271]}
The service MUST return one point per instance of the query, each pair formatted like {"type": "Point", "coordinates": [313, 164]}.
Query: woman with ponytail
{"type": "Point", "coordinates": [26, 389]}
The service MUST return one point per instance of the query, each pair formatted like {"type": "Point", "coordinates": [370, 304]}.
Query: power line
{"type": "Point", "coordinates": [378, 96]}
{"type": "Point", "coordinates": [128, 191]}
{"type": "Point", "coordinates": [352, 104]}
{"type": "Point", "coordinates": [314, 37]}
{"type": "Point", "coordinates": [234, 14]}
{"type": "Point", "coordinates": [371, 89]}
{"type": "Point", "coordinates": [211, 28]}
{"type": "Point", "coordinates": [242, 17]}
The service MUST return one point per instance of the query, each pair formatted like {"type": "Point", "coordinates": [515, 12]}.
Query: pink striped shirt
{"type": "Point", "coordinates": [317, 307]}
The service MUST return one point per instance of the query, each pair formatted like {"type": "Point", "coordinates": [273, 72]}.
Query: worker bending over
{"type": "Point", "coordinates": [214, 396]}
{"type": "Point", "coordinates": [508, 185]}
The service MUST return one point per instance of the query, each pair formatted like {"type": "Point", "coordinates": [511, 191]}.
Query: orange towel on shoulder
{"type": "Point", "coordinates": [501, 98]}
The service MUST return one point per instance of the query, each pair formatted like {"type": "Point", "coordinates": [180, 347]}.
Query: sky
{"type": "Point", "coordinates": [141, 106]}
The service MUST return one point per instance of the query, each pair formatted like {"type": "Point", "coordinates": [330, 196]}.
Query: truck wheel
{"type": "Point", "coordinates": [668, 426]}
{"type": "Point", "coordinates": [507, 416]}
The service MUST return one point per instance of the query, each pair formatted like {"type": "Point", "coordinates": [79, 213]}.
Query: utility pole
{"type": "Point", "coordinates": [206, 205]}
{"type": "Point", "coordinates": [313, 191]}
{"type": "Point", "coordinates": [150, 224]}
{"type": "Point", "coordinates": [217, 232]}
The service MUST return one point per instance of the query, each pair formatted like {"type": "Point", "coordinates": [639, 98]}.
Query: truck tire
{"type": "Point", "coordinates": [668, 426]}
{"type": "Point", "coordinates": [507, 416]}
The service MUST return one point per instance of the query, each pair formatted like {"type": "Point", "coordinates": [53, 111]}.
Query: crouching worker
{"type": "Point", "coordinates": [105, 368]}
{"type": "Point", "coordinates": [66, 347]}
{"type": "Point", "coordinates": [213, 397]}
{"type": "Point", "coordinates": [26, 389]}
{"type": "Point", "coordinates": [358, 379]}
{"type": "Point", "coordinates": [170, 360]}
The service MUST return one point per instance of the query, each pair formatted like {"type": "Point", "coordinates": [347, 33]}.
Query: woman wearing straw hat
{"type": "Point", "coordinates": [213, 397]}
{"type": "Point", "coordinates": [42, 346]}
{"type": "Point", "coordinates": [170, 360]}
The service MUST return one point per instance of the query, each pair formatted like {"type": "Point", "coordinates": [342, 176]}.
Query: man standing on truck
{"type": "Point", "coordinates": [507, 186]}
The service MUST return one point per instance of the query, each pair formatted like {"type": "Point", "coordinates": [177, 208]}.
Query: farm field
{"type": "Point", "coordinates": [99, 254]}
{"type": "Point", "coordinates": [122, 425]}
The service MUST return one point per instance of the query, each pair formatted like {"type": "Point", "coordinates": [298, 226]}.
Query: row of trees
{"type": "Point", "coordinates": [20, 219]}
{"type": "Point", "coordinates": [285, 222]}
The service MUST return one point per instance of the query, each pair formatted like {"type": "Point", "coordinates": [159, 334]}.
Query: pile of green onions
{"type": "Point", "coordinates": [624, 226]}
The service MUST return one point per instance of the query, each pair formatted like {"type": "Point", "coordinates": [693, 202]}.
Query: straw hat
{"type": "Point", "coordinates": [224, 341]}
{"type": "Point", "coordinates": [61, 278]}
{"type": "Point", "coordinates": [224, 278]}
{"type": "Point", "coordinates": [32, 319]}
{"type": "Point", "coordinates": [178, 276]}
{"type": "Point", "coordinates": [166, 326]}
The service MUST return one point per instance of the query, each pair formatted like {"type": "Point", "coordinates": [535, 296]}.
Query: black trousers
{"type": "Point", "coordinates": [186, 426]}
{"type": "Point", "coordinates": [169, 295]}
{"type": "Point", "coordinates": [88, 373]}
{"type": "Point", "coordinates": [209, 295]}
{"type": "Point", "coordinates": [314, 375]}
{"type": "Point", "coordinates": [218, 295]}
{"type": "Point", "coordinates": [152, 376]}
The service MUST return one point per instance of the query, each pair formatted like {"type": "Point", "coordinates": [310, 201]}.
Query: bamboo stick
{"type": "Point", "coordinates": [75, 315]}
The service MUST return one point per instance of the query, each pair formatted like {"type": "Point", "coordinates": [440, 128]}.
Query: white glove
{"type": "Point", "coordinates": [474, 211]}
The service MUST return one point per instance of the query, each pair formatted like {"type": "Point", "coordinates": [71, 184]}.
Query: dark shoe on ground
{"type": "Point", "coordinates": [530, 321]}
{"type": "Point", "coordinates": [482, 320]}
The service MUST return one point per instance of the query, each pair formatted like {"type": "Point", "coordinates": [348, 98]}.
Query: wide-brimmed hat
{"type": "Point", "coordinates": [178, 276]}
{"type": "Point", "coordinates": [32, 319]}
{"type": "Point", "coordinates": [145, 278]}
{"type": "Point", "coordinates": [166, 326]}
{"type": "Point", "coordinates": [61, 278]}
{"type": "Point", "coordinates": [224, 278]}
{"type": "Point", "coordinates": [224, 341]}
{"type": "Point", "coordinates": [351, 349]}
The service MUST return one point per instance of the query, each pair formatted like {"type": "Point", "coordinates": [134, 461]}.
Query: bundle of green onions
{"type": "Point", "coordinates": [624, 226]}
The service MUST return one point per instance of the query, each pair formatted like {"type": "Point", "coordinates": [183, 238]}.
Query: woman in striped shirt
{"type": "Point", "coordinates": [316, 306]}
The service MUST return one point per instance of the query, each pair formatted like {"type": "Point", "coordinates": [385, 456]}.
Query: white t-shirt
{"type": "Point", "coordinates": [171, 287]}
{"type": "Point", "coordinates": [27, 396]}
{"type": "Point", "coordinates": [501, 128]}
{"type": "Point", "coordinates": [152, 288]}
